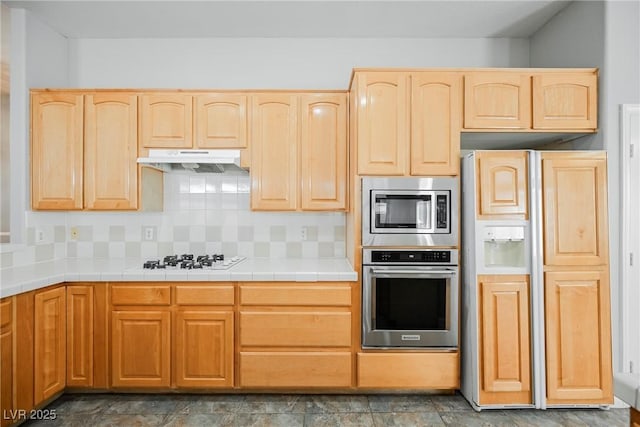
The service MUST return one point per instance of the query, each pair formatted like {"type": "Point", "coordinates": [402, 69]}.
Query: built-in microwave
{"type": "Point", "coordinates": [418, 211]}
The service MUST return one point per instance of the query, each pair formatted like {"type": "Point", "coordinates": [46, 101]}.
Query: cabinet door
{"type": "Point", "coordinates": [204, 349]}
{"type": "Point", "coordinates": [578, 337]}
{"type": "Point", "coordinates": [574, 187]}
{"type": "Point", "coordinates": [323, 151]}
{"type": "Point", "coordinates": [110, 151]}
{"type": "Point", "coordinates": [565, 101]}
{"type": "Point", "coordinates": [497, 100]}
{"type": "Point", "coordinates": [505, 367]}
{"type": "Point", "coordinates": [220, 120]}
{"type": "Point", "coordinates": [382, 122]}
{"type": "Point", "coordinates": [502, 184]}
{"type": "Point", "coordinates": [141, 348]}
{"type": "Point", "coordinates": [436, 110]}
{"type": "Point", "coordinates": [274, 151]}
{"type": "Point", "coordinates": [166, 121]}
{"type": "Point", "coordinates": [56, 151]}
{"type": "Point", "coordinates": [80, 335]}
{"type": "Point", "coordinates": [49, 343]}
{"type": "Point", "coordinates": [6, 360]}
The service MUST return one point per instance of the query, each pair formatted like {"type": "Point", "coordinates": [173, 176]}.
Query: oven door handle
{"type": "Point", "coordinates": [413, 273]}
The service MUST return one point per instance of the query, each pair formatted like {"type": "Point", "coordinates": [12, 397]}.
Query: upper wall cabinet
{"type": "Point", "coordinates": [502, 184]}
{"type": "Point", "coordinates": [299, 151]}
{"type": "Point", "coordinates": [99, 163]}
{"type": "Point", "coordinates": [536, 100]}
{"type": "Point", "coordinates": [497, 100]}
{"type": "Point", "coordinates": [56, 150]}
{"type": "Point", "coordinates": [407, 123]}
{"type": "Point", "coordinates": [206, 120]}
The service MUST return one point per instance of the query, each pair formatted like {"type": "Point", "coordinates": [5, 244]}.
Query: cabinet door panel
{"type": "Point", "coordinates": [274, 152]}
{"type": "Point", "coordinates": [504, 339]}
{"type": "Point", "coordinates": [565, 101]}
{"type": "Point", "coordinates": [382, 123]}
{"type": "Point", "coordinates": [140, 349]}
{"type": "Point", "coordinates": [578, 337]}
{"type": "Point", "coordinates": [6, 359]}
{"type": "Point", "coordinates": [49, 343]}
{"type": "Point", "coordinates": [111, 150]}
{"type": "Point", "coordinates": [221, 120]}
{"type": "Point", "coordinates": [80, 335]}
{"type": "Point", "coordinates": [436, 109]}
{"type": "Point", "coordinates": [166, 121]}
{"type": "Point", "coordinates": [323, 152]}
{"type": "Point", "coordinates": [494, 100]}
{"type": "Point", "coordinates": [56, 151]}
{"type": "Point", "coordinates": [204, 349]}
{"type": "Point", "coordinates": [502, 184]}
{"type": "Point", "coordinates": [574, 186]}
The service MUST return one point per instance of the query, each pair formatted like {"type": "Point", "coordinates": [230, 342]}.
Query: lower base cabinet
{"type": "Point", "coordinates": [50, 343]}
{"type": "Point", "coordinates": [6, 360]}
{"type": "Point", "coordinates": [302, 369]}
{"type": "Point", "coordinates": [409, 370]}
{"type": "Point", "coordinates": [141, 348]}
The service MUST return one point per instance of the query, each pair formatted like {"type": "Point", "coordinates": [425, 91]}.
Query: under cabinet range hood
{"type": "Point", "coordinates": [199, 161]}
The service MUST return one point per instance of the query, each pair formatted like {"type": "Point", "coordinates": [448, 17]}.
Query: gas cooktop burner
{"type": "Point", "coordinates": [186, 261]}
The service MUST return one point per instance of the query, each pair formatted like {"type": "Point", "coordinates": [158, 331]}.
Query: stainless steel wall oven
{"type": "Point", "coordinates": [410, 298]}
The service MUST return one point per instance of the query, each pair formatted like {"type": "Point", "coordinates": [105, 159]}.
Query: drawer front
{"type": "Point", "coordinates": [140, 294]}
{"type": "Point", "coordinates": [204, 295]}
{"type": "Point", "coordinates": [6, 313]}
{"type": "Point", "coordinates": [295, 369]}
{"type": "Point", "coordinates": [295, 329]}
{"type": "Point", "coordinates": [326, 294]}
{"type": "Point", "coordinates": [409, 370]}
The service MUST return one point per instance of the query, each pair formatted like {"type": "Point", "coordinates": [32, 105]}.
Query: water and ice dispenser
{"type": "Point", "coordinates": [504, 247]}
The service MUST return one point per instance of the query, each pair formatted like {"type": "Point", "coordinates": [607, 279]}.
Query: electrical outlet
{"type": "Point", "coordinates": [73, 233]}
{"type": "Point", "coordinates": [148, 233]}
{"type": "Point", "coordinates": [303, 233]}
{"type": "Point", "coordinates": [39, 235]}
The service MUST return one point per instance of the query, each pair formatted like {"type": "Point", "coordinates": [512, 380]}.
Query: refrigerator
{"type": "Point", "coordinates": [506, 212]}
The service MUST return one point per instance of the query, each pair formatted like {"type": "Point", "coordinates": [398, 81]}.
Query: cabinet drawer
{"type": "Point", "coordinates": [409, 370]}
{"type": "Point", "coordinates": [295, 329]}
{"type": "Point", "coordinates": [140, 294]}
{"type": "Point", "coordinates": [204, 295]}
{"type": "Point", "coordinates": [295, 369]}
{"type": "Point", "coordinates": [331, 294]}
{"type": "Point", "coordinates": [6, 313]}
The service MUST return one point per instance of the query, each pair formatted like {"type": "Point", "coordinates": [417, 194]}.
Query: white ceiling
{"type": "Point", "coordinates": [298, 18]}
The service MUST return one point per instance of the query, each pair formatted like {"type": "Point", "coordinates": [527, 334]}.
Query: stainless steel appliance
{"type": "Point", "coordinates": [410, 298]}
{"type": "Point", "coordinates": [420, 211]}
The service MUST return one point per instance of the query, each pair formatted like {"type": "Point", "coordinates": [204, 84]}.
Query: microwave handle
{"type": "Point", "coordinates": [413, 273]}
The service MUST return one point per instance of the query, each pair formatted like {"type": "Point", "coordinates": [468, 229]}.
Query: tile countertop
{"type": "Point", "coordinates": [39, 275]}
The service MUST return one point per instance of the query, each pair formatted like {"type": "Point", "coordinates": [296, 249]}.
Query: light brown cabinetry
{"type": "Point", "coordinates": [575, 222]}
{"type": "Point", "coordinates": [84, 150]}
{"type": "Point", "coordinates": [407, 123]}
{"type": "Point", "coordinates": [502, 184]}
{"type": "Point", "coordinates": [49, 343]}
{"type": "Point", "coordinates": [80, 332]}
{"type": "Point", "coordinates": [140, 335]}
{"type": "Point", "coordinates": [204, 337]}
{"type": "Point", "coordinates": [295, 335]}
{"type": "Point", "coordinates": [56, 150]}
{"type": "Point", "coordinates": [166, 120]}
{"type": "Point", "coordinates": [504, 336]}
{"type": "Point", "coordinates": [299, 151]}
{"type": "Point", "coordinates": [578, 337]}
{"type": "Point", "coordinates": [220, 120]}
{"type": "Point", "coordinates": [387, 370]}
{"type": "Point", "coordinates": [534, 100]}
{"type": "Point", "coordinates": [7, 351]}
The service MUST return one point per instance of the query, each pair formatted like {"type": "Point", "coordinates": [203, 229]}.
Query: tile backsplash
{"type": "Point", "coordinates": [203, 213]}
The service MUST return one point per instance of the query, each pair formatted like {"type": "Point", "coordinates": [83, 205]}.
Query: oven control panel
{"type": "Point", "coordinates": [416, 256]}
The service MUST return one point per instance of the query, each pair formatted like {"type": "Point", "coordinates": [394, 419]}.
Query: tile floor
{"type": "Point", "coordinates": [305, 410]}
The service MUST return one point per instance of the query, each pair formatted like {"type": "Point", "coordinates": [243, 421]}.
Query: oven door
{"type": "Point", "coordinates": [409, 306]}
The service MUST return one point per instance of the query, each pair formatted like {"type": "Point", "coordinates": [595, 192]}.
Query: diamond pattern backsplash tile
{"type": "Point", "coordinates": [205, 213]}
